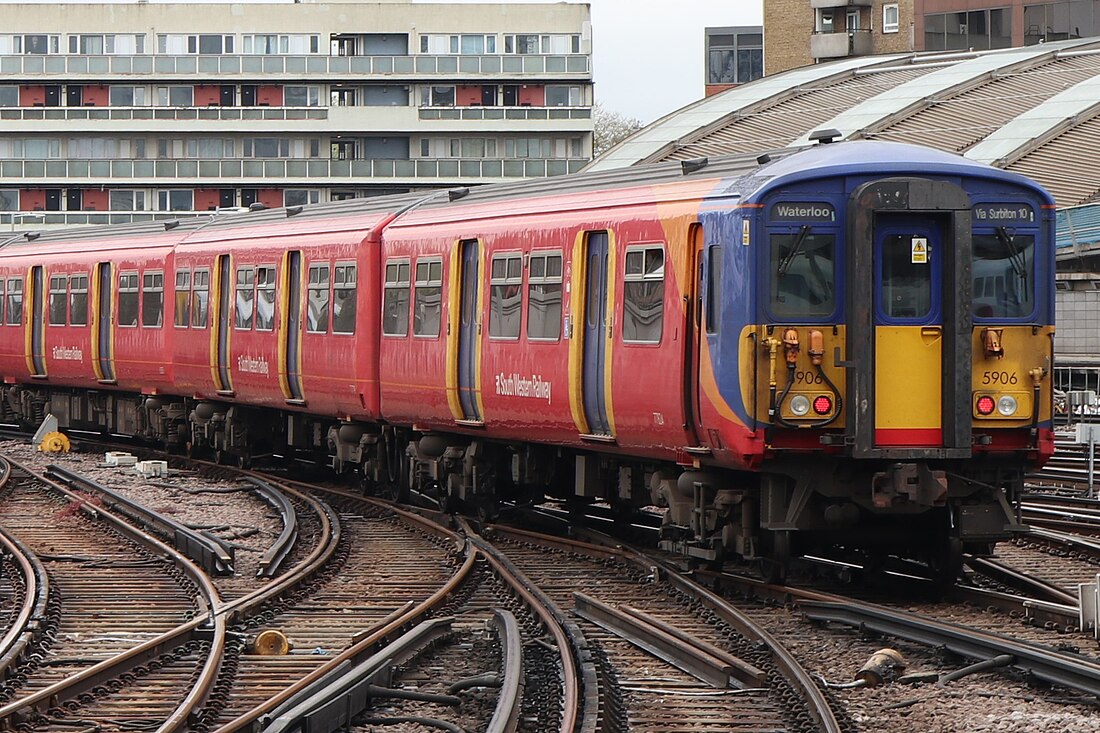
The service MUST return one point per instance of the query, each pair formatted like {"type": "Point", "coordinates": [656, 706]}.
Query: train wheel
{"type": "Point", "coordinates": [946, 562]}
{"type": "Point", "coordinates": [776, 563]}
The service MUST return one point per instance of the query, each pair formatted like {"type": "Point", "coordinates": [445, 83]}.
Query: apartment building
{"type": "Point", "coordinates": [734, 55]}
{"type": "Point", "coordinates": [118, 112]}
{"type": "Point", "coordinates": [802, 32]}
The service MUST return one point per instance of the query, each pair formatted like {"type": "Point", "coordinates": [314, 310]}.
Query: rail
{"type": "Point", "coordinates": [273, 558]}
{"type": "Point", "coordinates": [36, 591]}
{"type": "Point", "coordinates": [210, 554]}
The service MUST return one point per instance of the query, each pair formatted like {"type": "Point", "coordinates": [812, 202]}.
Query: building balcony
{"type": "Point", "coordinates": [314, 68]}
{"type": "Point", "coordinates": [505, 113]}
{"type": "Point", "coordinates": [840, 45]}
{"type": "Point", "coordinates": [251, 114]}
{"type": "Point", "coordinates": [841, 3]}
{"type": "Point", "coordinates": [280, 171]}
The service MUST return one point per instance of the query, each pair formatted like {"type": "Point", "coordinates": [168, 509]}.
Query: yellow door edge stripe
{"type": "Point", "coordinates": [454, 300]}
{"type": "Point", "coordinates": [577, 319]}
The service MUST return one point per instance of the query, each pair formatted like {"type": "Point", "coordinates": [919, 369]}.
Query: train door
{"type": "Point", "coordinates": [595, 328]}
{"type": "Point", "coordinates": [223, 283]}
{"type": "Point", "coordinates": [103, 324]}
{"type": "Point", "coordinates": [37, 334]}
{"type": "Point", "coordinates": [695, 314]}
{"type": "Point", "coordinates": [292, 326]}
{"type": "Point", "coordinates": [908, 331]}
{"type": "Point", "coordinates": [909, 324]}
{"type": "Point", "coordinates": [469, 328]}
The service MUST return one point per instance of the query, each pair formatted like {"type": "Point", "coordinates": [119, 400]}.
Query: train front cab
{"type": "Point", "coordinates": [911, 343]}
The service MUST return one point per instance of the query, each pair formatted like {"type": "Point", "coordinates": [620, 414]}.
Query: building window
{"type": "Point", "coordinates": [127, 96]}
{"type": "Point", "coordinates": [176, 96]}
{"type": "Point", "coordinates": [644, 294]}
{"type": "Point", "coordinates": [343, 298]}
{"type": "Point", "coordinates": [437, 96]}
{"type": "Point", "coordinates": [200, 299]}
{"type": "Point", "coordinates": [429, 292]}
{"type": "Point", "coordinates": [465, 44]}
{"type": "Point", "coordinates": [559, 95]}
{"type": "Point", "coordinates": [300, 196]}
{"type": "Point", "coordinates": [9, 96]}
{"type": "Point", "coordinates": [9, 199]}
{"type": "Point", "coordinates": [176, 200]}
{"type": "Point", "coordinates": [317, 299]}
{"type": "Point", "coordinates": [1059, 21]}
{"type": "Point", "coordinates": [178, 44]}
{"type": "Point", "coordinates": [128, 299]}
{"type": "Point", "coordinates": [295, 44]}
{"type": "Point", "coordinates": [978, 30]}
{"type": "Point", "coordinates": [267, 147]}
{"type": "Point", "coordinates": [395, 300]}
{"type": "Point", "coordinates": [58, 296]}
{"type": "Point", "coordinates": [125, 200]}
{"type": "Point", "coordinates": [30, 43]}
{"type": "Point", "coordinates": [245, 307]}
{"type": "Point", "coordinates": [111, 44]}
{"type": "Point", "coordinates": [15, 301]}
{"type": "Point", "coordinates": [182, 314]}
{"type": "Point", "coordinates": [890, 18]}
{"type": "Point", "coordinates": [734, 57]}
{"type": "Point", "coordinates": [302, 96]}
{"type": "Point", "coordinates": [506, 296]}
{"type": "Point", "coordinates": [544, 296]}
{"type": "Point", "coordinates": [78, 300]}
{"type": "Point", "coordinates": [547, 43]}
{"type": "Point", "coordinates": [152, 299]}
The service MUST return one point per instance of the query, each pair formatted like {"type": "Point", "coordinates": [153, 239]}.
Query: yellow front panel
{"type": "Point", "coordinates": [908, 385]}
{"type": "Point", "coordinates": [1025, 350]}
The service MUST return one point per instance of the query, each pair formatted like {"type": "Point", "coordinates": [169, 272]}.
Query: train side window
{"type": "Point", "coordinates": [3, 301]}
{"type": "Point", "coordinates": [265, 298]}
{"type": "Point", "coordinates": [182, 313]}
{"type": "Point", "coordinates": [544, 296]}
{"type": "Point", "coordinates": [802, 273]}
{"type": "Point", "coordinates": [428, 306]}
{"type": "Point", "coordinates": [15, 301]}
{"type": "Point", "coordinates": [644, 295]}
{"type": "Point", "coordinates": [395, 300]}
{"type": "Point", "coordinates": [128, 299]}
{"type": "Point", "coordinates": [317, 299]}
{"type": "Point", "coordinates": [1004, 274]}
{"type": "Point", "coordinates": [244, 308]}
{"type": "Point", "coordinates": [343, 298]}
{"type": "Point", "coordinates": [200, 298]}
{"type": "Point", "coordinates": [58, 296]}
{"type": "Point", "coordinates": [152, 299]}
{"type": "Point", "coordinates": [714, 287]}
{"type": "Point", "coordinates": [506, 296]}
{"type": "Point", "coordinates": [78, 300]}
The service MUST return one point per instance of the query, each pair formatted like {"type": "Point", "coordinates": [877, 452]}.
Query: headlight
{"type": "Point", "coordinates": [800, 405]}
{"type": "Point", "coordinates": [1007, 405]}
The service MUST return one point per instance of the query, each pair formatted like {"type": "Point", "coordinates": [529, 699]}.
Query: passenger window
{"type": "Point", "coordinates": [644, 295]}
{"type": "Point", "coordinates": [78, 300]}
{"type": "Point", "coordinates": [906, 286]}
{"type": "Point", "coordinates": [714, 287]}
{"type": "Point", "coordinates": [152, 299]}
{"type": "Point", "coordinates": [343, 299]}
{"type": "Point", "coordinates": [58, 297]}
{"type": "Point", "coordinates": [1004, 274]}
{"type": "Point", "coordinates": [506, 296]}
{"type": "Point", "coordinates": [200, 298]}
{"type": "Point", "coordinates": [182, 313]}
{"type": "Point", "coordinates": [395, 300]}
{"type": "Point", "coordinates": [802, 274]}
{"type": "Point", "coordinates": [265, 298]}
{"type": "Point", "coordinates": [15, 301]}
{"type": "Point", "coordinates": [128, 299]}
{"type": "Point", "coordinates": [544, 296]}
{"type": "Point", "coordinates": [245, 307]}
{"type": "Point", "coordinates": [317, 299]}
{"type": "Point", "coordinates": [428, 307]}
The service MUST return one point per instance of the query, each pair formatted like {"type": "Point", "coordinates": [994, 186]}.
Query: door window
{"type": "Point", "coordinates": [906, 276]}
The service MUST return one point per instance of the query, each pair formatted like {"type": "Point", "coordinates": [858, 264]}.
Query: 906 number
{"type": "Point", "coordinates": [808, 378]}
{"type": "Point", "coordinates": [999, 378]}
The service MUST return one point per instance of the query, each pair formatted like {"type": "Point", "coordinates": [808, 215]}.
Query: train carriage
{"type": "Point", "coordinates": [847, 346]}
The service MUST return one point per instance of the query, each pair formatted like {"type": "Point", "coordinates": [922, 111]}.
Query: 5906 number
{"type": "Point", "coordinates": [999, 378]}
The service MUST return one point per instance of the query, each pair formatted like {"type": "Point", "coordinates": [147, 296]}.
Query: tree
{"type": "Point", "coordinates": [610, 128]}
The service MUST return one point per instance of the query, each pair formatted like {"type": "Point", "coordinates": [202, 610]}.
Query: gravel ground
{"type": "Point", "coordinates": [224, 508]}
{"type": "Point", "coordinates": [996, 701]}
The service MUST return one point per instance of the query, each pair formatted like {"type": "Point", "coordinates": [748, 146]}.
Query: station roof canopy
{"type": "Point", "coordinates": [1033, 110]}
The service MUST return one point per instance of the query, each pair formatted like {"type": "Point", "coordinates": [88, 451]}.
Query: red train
{"type": "Point", "coordinates": [757, 345]}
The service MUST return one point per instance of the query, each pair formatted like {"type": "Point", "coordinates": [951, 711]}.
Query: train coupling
{"type": "Point", "coordinates": [910, 483]}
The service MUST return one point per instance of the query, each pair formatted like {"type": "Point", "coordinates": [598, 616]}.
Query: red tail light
{"type": "Point", "coordinates": [986, 405]}
{"type": "Point", "coordinates": [823, 404]}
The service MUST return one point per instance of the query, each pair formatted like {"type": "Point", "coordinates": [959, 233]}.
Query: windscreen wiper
{"type": "Point", "coordinates": [785, 263]}
{"type": "Point", "coordinates": [1015, 256]}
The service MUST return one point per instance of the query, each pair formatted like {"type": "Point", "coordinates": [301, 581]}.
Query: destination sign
{"type": "Point", "coordinates": [793, 211]}
{"type": "Point", "coordinates": [1003, 213]}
